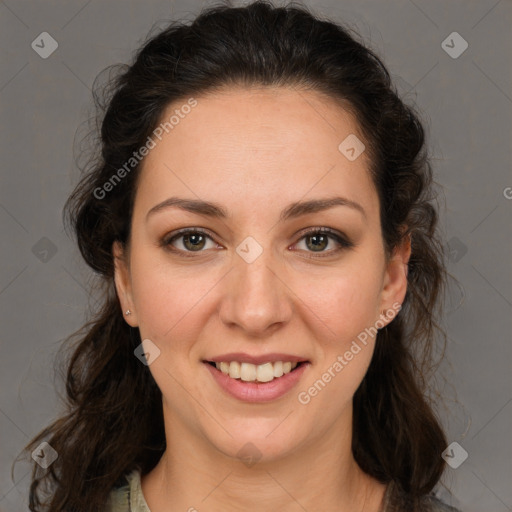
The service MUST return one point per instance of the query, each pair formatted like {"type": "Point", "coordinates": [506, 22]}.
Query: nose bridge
{"type": "Point", "coordinates": [256, 297]}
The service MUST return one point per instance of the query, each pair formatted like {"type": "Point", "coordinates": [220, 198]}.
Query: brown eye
{"type": "Point", "coordinates": [317, 242]}
{"type": "Point", "coordinates": [194, 242]}
{"type": "Point", "coordinates": [188, 241]}
{"type": "Point", "coordinates": [320, 240]}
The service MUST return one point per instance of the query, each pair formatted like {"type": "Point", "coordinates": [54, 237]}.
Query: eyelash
{"type": "Point", "coordinates": [333, 235]}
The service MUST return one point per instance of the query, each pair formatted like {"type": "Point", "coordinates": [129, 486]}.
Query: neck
{"type": "Point", "coordinates": [193, 475]}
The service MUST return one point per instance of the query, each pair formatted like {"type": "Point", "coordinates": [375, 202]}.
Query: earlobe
{"type": "Point", "coordinates": [122, 283]}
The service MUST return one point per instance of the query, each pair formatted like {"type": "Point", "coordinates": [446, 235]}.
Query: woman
{"type": "Point", "coordinates": [261, 216]}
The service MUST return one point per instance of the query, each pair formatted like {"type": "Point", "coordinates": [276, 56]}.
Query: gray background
{"type": "Point", "coordinates": [466, 104]}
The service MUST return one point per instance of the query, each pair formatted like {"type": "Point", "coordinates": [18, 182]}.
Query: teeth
{"type": "Point", "coordinates": [264, 372]}
{"type": "Point", "coordinates": [278, 369]}
{"type": "Point", "coordinates": [234, 369]}
{"type": "Point", "coordinates": [251, 373]}
{"type": "Point", "coordinates": [248, 372]}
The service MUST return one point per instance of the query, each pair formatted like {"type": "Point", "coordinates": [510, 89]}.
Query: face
{"type": "Point", "coordinates": [255, 277]}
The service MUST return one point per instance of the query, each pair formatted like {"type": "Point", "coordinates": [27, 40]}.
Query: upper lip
{"type": "Point", "coordinates": [242, 357]}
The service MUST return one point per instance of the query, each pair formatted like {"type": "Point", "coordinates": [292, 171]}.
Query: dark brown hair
{"type": "Point", "coordinates": [113, 421]}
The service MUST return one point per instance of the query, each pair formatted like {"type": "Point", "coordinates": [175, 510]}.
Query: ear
{"type": "Point", "coordinates": [395, 281]}
{"type": "Point", "coordinates": [123, 285]}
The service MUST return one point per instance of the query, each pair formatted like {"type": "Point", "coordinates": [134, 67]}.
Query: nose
{"type": "Point", "coordinates": [256, 298]}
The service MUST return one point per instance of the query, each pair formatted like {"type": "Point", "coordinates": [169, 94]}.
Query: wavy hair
{"type": "Point", "coordinates": [113, 419]}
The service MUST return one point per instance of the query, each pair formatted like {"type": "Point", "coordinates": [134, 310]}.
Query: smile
{"type": "Point", "coordinates": [242, 380]}
{"type": "Point", "coordinates": [248, 372]}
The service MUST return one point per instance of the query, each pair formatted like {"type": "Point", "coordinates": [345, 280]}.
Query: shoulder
{"type": "Point", "coordinates": [395, 500]}
{"type": "Point", "coordinates": [128, 496]}
{"type": "Point", "coordinates": [119, 498]}
{"type": "Point", "coordinates": [433, 504]}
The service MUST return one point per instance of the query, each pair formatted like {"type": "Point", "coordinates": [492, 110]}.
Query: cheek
{"type": "Point", "coordinates": [345, 303]}
{"type": "Point", "coordinates": [346, 306]}
{"type": "Point", "coordinates": [169, 302]}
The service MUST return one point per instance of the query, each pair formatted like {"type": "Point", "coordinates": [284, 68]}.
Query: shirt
{"type": "Point", "coordinates": [129, 498]}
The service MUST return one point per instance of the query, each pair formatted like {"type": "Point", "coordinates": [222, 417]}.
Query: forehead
{"type": "Point", "coordinates": [264, 144]}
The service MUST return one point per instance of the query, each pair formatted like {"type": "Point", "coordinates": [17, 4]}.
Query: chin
{"type": "Point", "coordinates": [257, 446]}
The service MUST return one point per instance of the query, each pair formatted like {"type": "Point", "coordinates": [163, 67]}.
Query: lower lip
{"type": "Point", "coordinates": [258, 391]}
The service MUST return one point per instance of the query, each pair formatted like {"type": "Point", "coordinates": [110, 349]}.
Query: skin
{"type": "Point", "coordinates": [254, 151]}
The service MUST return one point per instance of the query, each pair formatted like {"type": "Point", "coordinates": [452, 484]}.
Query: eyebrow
{"type": "Point", "coordinates": [293, 210]}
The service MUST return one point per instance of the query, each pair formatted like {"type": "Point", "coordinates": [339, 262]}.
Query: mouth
{"type": "Point", "coordinates": [258, 373]}
{"type": "Point", "coordinates": [264, 382]}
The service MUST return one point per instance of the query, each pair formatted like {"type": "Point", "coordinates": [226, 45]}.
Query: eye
{"type": "Point", "coordinates": [316, 240]}
{"type": "Point", "coordinates": [189, 240]}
